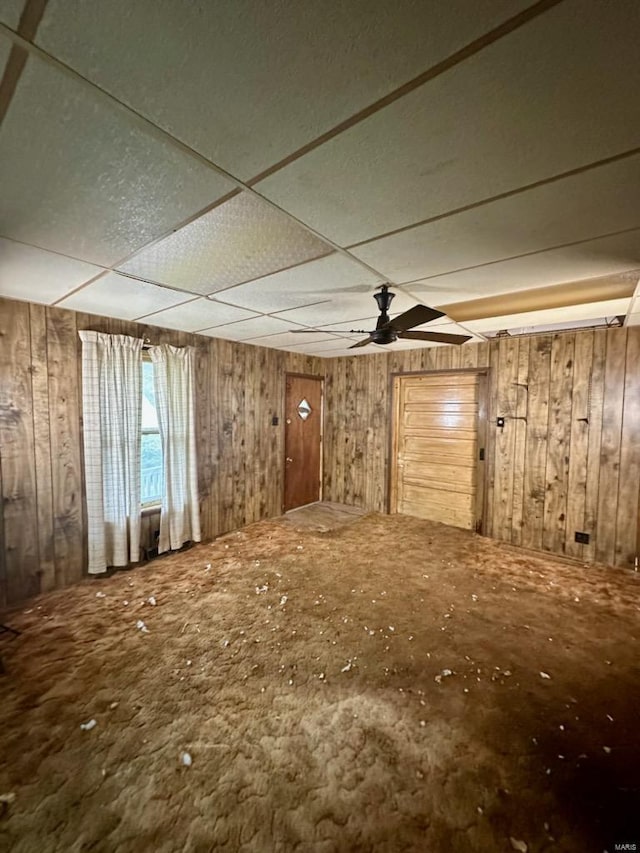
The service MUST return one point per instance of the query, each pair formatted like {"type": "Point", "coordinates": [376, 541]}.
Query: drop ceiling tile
{"type": "Point", "coordinates": [242, 239]}
{"type": "Point", "coordinates": [519, 111]}
{"type": "Point", "coordinates": [79, 178]}
{"type": "Point", "coordinates": [119, 296]}
{"type": "Point", "coordinates": [318, 347]}
{"type": "Point", "coordinates": [248, 83]}
{"type": "Point", "coordinates": [288, 339]}
{"type": "Point", "coordinates": [592, 310]}
{"type": "Point", "coordinates": [39, 276]}
{"type": "Point", "coordinates": [600, 201]}
{"type": "Point", "coordinates": [10, 11]}
{"type": "Point", "coordinates": [345, 308]}
{"type": "Point", "coordinates": [600, 257]}
{"type": "Point", "coordinates": [348, 353]}
{"type": "Point", "coordinates": [302, 285]}
{"type": "Point", "coordinates": [245, 330]}
{"type": "Point", "coordinates": [633, 320]}
{"type": "Point", "coordinates": [195, 315]}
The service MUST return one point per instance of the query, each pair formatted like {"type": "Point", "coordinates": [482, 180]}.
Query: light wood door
{"type": "Point", "coordinates": [302, 440]}
{"type": "Point", "coordinates": [436, 473]}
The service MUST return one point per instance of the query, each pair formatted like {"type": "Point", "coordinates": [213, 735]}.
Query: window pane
{"type": "Point", "coordinates": [152, 473]}
{"type": "Point", "coordinates": [149, 417]}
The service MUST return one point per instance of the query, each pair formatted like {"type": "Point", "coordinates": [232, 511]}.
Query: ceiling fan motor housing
{"type": "Point", "coordinates": [384, 336]}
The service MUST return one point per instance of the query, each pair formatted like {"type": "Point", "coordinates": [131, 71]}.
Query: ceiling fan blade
{"type": "Point", "coordinates": [434, 337]}
{"type": "Point", "coordinates": [415, 316]}
{"type": "Point", "coordinates": [361, 343]}
{"type": "Point", "coordinates": [330, 331]}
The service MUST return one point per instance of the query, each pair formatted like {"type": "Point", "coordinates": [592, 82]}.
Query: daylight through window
{"type": "Point", "coordinates": [152, 471]}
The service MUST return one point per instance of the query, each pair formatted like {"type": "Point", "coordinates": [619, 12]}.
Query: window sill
{"type": "Point", "coordinates": [150, 509]}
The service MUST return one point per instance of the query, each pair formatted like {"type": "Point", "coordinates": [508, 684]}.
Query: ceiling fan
{"type": "Point", "coordinates": [387, 330]}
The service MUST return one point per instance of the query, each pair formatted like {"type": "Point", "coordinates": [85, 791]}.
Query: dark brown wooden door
{"type": "Point", "coordinates": [302, 440]}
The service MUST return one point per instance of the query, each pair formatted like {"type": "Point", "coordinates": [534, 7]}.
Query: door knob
{"type": "Point", "coordinates": [289, 459]}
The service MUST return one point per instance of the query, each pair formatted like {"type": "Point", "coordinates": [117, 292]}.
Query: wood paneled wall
{"type": "Point", "coordinates": [567, 460]}
{"type": "Point", "coordinates": [42, 524]}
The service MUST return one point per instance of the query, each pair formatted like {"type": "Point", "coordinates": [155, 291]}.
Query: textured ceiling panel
{"type": "Point", "coordinates": [246, 329]}
{"type": "Point", "coordinates": [604, 256]}
{"type": "Point", "coordinates": [116, 295]}
{"type": "Point", "coordinates": [38, 276]}
{"type": "Point", "coordinates": [523, 109]}
{"type": "Point", "coordinates": [600, 201]}
{"type": "Point", "coordinates": [248, 82]}
{"type": "Point", "coordinates": [321, 346]}
{"type": "Point", "coordinates": [196, 315]}
{"type": "Point", "coordinates": [288, 339]}
{"type": "Point", "coordinates": [343, 308]}
{"type": "Point", "coordinates": [10, 11]}
{"type": "Point", "coordinates": [302, 285]}
{"type": "Point", "coordinates": [242, 239]}
{"type": "Point", "coordinates": [591, 310]}
{"type": "Point", "coordinates": [78, 178]}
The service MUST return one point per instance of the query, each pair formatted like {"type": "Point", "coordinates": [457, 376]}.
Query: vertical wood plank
{"type": "Point", "coordinates": [505, 438]}
{"type": "Point", "coordinates": [42, 445]}
{"type": "Point", "coordinates": [579, 443]}
{"type": "Point", "coordinates": [203, 435]}
{"type": "Point", "coordinates": [627, 515]}
{"type": "Point", "coordinates": [483, 354]}
{"type": "Point", "coordinates": [520, 441]}
{"type": "Point", "coordinates": [610, 445]}
{"type": "Point", "coordinates": [558, 443]}
{"type": "Point", "coordinates": [469, 355]}
{"type": "Point", "coordinates": [339, 414]}
{"type": "Point", "coordinates": [378, 449]}
{"type": "Point", "coordinates": [19, 497]}
{"type": "Point", "coordinates": [263, 364]}
{"type": "Point", "coordinates": [493, 363]}
{"type": "Point", "coordinates": [238, 436]}
{"type": "Point", "coordinates": [594, 413]}
{"type": "Point", "coordinates": [537, 439]}
{"type": "Point", "coordinates": [443, 355]}
{"type": "Point", "coordinates": [253, 422]}
{"type": "Point", "coordinates": [63, 352]}
{"type": "Point", "coordinates": [360, 426]}
{"type": "Point", "coordinates": [215, 447]}
{"type": "Point", "coordinates": [329, 431]}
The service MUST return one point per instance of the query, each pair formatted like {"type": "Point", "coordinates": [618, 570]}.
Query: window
{"type": "Point", "coordinates": [151, 467]}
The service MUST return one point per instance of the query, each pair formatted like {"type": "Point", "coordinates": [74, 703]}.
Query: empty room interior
{"type": "Point", "coordinates": [319, 426]}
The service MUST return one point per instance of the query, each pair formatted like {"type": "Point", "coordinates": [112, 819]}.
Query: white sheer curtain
{"type": "Point", "coordinates": [111, 409]}
{"type": "Point", "coordinates": [174, 371]}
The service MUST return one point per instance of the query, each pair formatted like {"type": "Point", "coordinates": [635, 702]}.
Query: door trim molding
{"type": "Point", "coordinates": [481, 465]}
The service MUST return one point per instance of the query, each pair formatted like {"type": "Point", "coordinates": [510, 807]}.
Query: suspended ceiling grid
{"type": "Point", "coordinates": [244, 170]}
